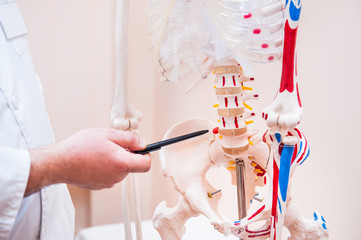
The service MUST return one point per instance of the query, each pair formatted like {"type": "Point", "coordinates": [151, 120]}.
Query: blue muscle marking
{"type": "Point", "coordinates": [294, 11]}
{"type": "Point", "coordinates": [324, 226]}
{"type": "Point", "coordinates": [323, 220]}
{"type": "Point", "coordinates": [308, 153]}
{"type": "Point", "coordinates": [315, 217]}
{"type": "Point", "coordinates": [286, 2]}
{"type": "Point", "coordinates": [279, 205]}
{"type": "Point", "coordinates": [284, 173]}
{"type": "Point", "coordinates": [278, 137]}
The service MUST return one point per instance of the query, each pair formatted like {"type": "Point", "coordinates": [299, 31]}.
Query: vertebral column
{"type": "Point", "coordinates": [234, 113]}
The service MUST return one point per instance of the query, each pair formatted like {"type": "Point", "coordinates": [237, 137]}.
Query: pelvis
{"type": "Point", "coordinates": [187, 163]}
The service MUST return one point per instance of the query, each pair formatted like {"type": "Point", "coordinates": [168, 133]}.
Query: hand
{"type": "Point", "coordinates": [92, 158]}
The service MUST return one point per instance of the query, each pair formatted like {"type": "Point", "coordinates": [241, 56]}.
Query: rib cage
{"type": "Point", "coordinates": [188, 38]}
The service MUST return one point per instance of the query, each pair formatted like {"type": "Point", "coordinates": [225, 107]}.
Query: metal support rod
{"type": "Point", "coordinates": [241, 189]}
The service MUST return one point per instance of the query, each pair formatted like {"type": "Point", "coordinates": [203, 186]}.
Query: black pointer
{"type": "Point", "coordinates": [156, 146]}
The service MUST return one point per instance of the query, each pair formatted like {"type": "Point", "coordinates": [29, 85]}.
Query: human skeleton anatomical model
{"type": "Point", "coordinates": [219, 37]}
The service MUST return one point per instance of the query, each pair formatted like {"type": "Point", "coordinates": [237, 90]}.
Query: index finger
{"type": "Point", "coordinates": [127, 140]}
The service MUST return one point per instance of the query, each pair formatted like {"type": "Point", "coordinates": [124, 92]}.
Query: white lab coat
{"type": "Point", "coordinates": [24, 125]}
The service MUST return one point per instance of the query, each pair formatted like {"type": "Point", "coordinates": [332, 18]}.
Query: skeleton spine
{"type": "Point", "coordinates": [233, 111]}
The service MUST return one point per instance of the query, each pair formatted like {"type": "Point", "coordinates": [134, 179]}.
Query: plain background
{"type": "Point", "coordinates": [72, 43]}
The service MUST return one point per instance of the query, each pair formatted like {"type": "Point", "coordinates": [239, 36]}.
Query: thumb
{"type": "Point", "coordinates": [138, 162]}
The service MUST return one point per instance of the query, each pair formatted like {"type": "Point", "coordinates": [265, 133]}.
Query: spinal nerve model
{"type": "Point", "coordinates": [218, 38]}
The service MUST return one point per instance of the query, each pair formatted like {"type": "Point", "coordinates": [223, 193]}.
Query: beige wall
{"type": "Point", "coordinates": [73, 50]}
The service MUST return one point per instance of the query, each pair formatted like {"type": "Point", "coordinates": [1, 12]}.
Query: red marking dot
{"type": "Point", "coordinates": [266, 116]}
{"type": "Point", "coordinates": [280, 148]}
{"type": "Point", "coordinates": [257, 31]}
{"type": "Point", "coordinates": [215, 130]}
{"type": "Point", "coordinates": [236, 100]}
{"type": "Point", "coordinates": [224, 80]}
{"type": "Point", "coordinates": [234, 80]}
{"type": "Point", "coordinates": [270, 58]}
{"type": "Point", "coordinates": [265, 180]}
{"type": "Point", "coordinates": [256, 95]}
{"type": "Point", "coordinates": [252, 79]}
{"type": "Point", "coordinates": [271, 138]}
{"type": "Point", "coordinates": [224, 122]}
{"type": "Point", "coordinates": [265, 45]}
{"type": "Point", "coordinates": [253, 114]}
{"type": "Point", "coordinates": [249, 15]}
{"type": "Point", "coordinates": [262, 115]}
{"type": "Point", "coordinates": [236, 122]}
{"type": "Point", "coordinates": [226, 102]}
{"type": "Point", "coordinates": [238, 64]}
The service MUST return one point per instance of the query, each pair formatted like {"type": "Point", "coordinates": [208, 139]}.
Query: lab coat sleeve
{"type": "Point", "coordinates": [14, 173]}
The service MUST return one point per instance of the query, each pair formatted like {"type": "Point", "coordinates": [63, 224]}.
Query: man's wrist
{"type": "Point", "coordinates": [46, 168]}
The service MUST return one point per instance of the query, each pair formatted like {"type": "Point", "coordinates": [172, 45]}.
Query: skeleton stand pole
{"type": "Point", "coordinates": [241, 190]}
